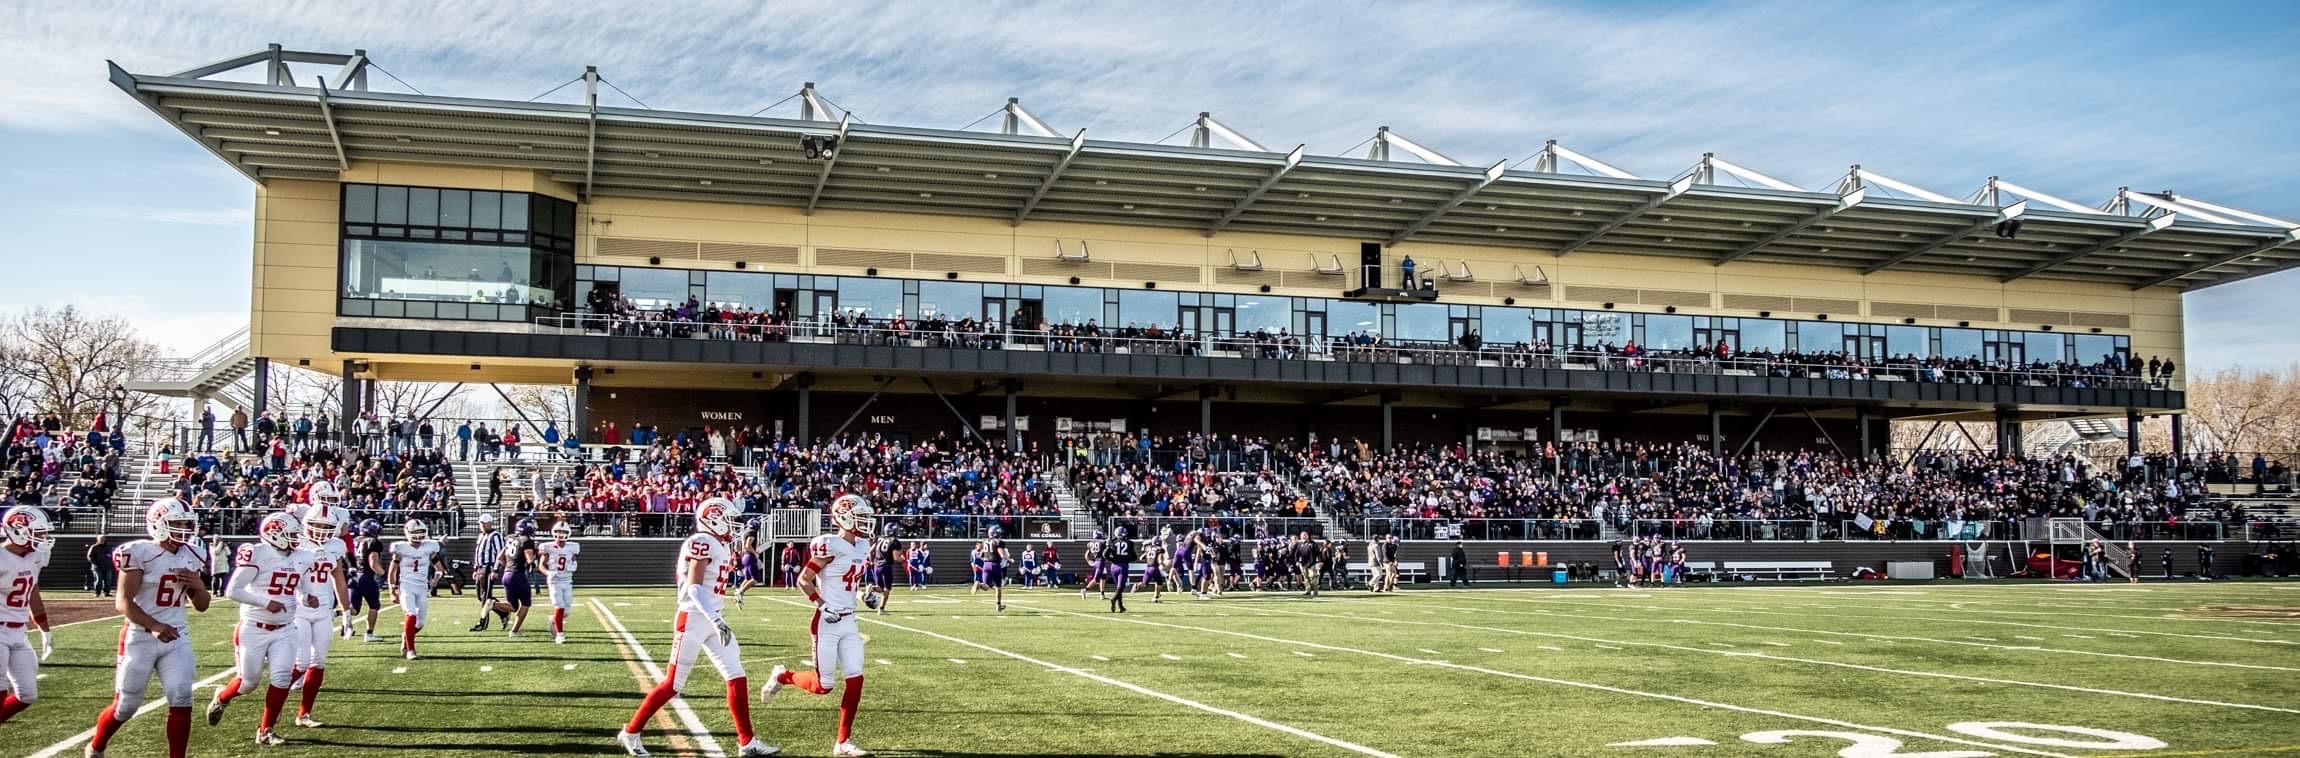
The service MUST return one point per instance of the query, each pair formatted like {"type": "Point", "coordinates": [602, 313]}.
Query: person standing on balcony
{"type": "Point", "coordinates": [551, 440]}
{"type": "Point", "coordinates": [1407, 266]}
{"type": "Point", "coordinates": [207, 427]}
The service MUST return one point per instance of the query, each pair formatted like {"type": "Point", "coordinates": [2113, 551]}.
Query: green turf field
{"type": "Point", "coordinates": [1925, 670]}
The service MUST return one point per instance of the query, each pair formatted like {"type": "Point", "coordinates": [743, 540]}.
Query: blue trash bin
{"type": "Point", "coordinates": [1557, 576]}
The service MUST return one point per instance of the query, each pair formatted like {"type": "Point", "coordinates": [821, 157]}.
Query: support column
{"type": "Point", "coordinates": [263, 380]}
{"type": "Point", "coordinates": [1013, 398]}
{"type": "Point", "coordinates": [2131, 432]}
{"type": "Point", "coordinates": [2179, 444]}
{"type": "Point", "coordinates": [1557, 420]}
{"type": "Point", "coordinates": [806, 409]}
{"type": "Point", "coordinates": [1716, 429]}
{"type": "Point", "coordinates": [2008, 432]}
{"type": "Point", "coordinates": [1206, 395]}
{"type": "Point", "coordinates": [349, 402]}
{"type": "Point", "coordinates": [1389, 419]}
{"type": "Point", "coordinates": [581, 422]}
{"type": "Point", "coordinates": [1861, 419]}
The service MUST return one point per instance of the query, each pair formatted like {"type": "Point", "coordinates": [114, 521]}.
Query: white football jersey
{"type": "Point", "coordinates": [718, 561]}
{"type": "Point", "coordinates": [19, 576]}
{"type": "Point", "coordinates": [279, 577]}
{"type": "Point", "coordinates": [558, 560]}
{"type": "Point", "coordinates": [162, 595]}
{"type": "Point", "coordinates": [322, 560]}
{"type": "Point", "coordinates": [415, 561]}
{"type": "Point", "coordinates": [841, 572]}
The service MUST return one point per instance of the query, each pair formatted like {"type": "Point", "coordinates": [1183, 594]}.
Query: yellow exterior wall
{"type": "Point", "coordinates": [295, 260]}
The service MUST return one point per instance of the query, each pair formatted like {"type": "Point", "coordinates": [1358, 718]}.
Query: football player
{"type": "Point", "coordinates": [750, 568]}
{"type": "Point", "coordinates": [705, 561]}
{"type": "Point", "coordinates": [921, 566]}
{"type": "Point", "coordinates": [158, 577]}
{"type": "Point", "coordinates": [558, 564]}
{"type": "Point", "coordinates": [413, 579]}
{"type": "Point", "coordinates": [1094, 569]}
{"type": "Point", "coordinates": [265, 581]}
{"type": "Point", "coordinates": [324, 592]}
{"type": "Point", "coordinates": [1118, 559]}
{"type": "Point", "coordinates": [882, 555]}
{"type": "Point", "coordinates": [994, 560]}
{"type": "Point", "coordinates": [519, 557]}
{"type": "Point", "coordinates": [24, 550]}
{"type": "Point", "coordinates": [835, 566]}
{"type": "Point", "coordinates": [373, 564]}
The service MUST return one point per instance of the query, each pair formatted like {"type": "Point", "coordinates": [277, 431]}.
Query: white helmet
{"type": "Point", "coordinates": [716, 517]}
{"type": "Point", "coordinates": [322, 523]}
{"type": "Point", "coordinates": [417, 530]}
{"type": "Point", "coordinates": [26, 526]}
{"type": "Point", "coordinates": [561, 531]}
{"type": "Point", "coordinates": [169, 519]}
{"type": "Point", "coordinates": [323, 492]}
{"type": "Point", "coordinates": [851, 512]}
{"type": "Point", "coordinates": [278, 530]}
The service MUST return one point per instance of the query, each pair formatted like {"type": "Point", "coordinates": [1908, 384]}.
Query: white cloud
{"type": "Point", "coordinates": [195, 216]}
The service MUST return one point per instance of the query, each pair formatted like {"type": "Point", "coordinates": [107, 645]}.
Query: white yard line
{"type": "Point", "coordinates": [1134, 688]}
{"type": "Point", "coordinates": [1871, 618]}
{"type": "Point", "coordinates": [76, 740]}
{"type": "Point", "coordinates": [687, 717]}
{"type": "Point", "coordinates": [1569, 683]}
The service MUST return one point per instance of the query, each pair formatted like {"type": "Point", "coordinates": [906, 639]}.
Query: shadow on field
{"type": "Point", "coordinates": [401, 694]}
{"type": "Point", "coordinates": [510, 742]}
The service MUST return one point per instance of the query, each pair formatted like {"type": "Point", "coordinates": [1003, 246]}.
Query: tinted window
{"type": "Point", "coordinates": [1343, 318]}
{"type": "Point", "coordinates": [359, 203]}
{"type": "Point", "coordinates": [1669, 332]}
{"type": "Point", "coordinates": [950, 300]}
{"type": "Point", "coordinates": [1146, 307]}
{"type": "Point", "coordinates": [1073, 305]}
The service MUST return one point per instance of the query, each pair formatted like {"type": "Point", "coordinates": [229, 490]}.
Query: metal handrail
{"type": "Point", "coordinates": [996, 336]}
{"type": "Point", "coordinates": [179, 369]}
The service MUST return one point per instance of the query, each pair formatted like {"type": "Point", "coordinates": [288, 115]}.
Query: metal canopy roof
{"type": "Point", "coordinates": [1223, 181]}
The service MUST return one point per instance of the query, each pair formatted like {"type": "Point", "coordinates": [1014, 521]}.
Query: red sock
{"type": "Point", "coordinates": [662, 693]}
{"type": "Point", "coordinates": [179, 731]}
{"type": "Point", "coordinates": [10, 706]}
{"type": "Point", "coordinates": [311, 680]}
{"type": "Point", "coordinates": [849, 702]}
{"type": "Point", "coordinates": [805, 680]}
{"type": "Point", "coordinates": [274, 699]}
{"type": "Point", "coordinates": [106, 724]}
{"type": "Point", "coordinates": [407, 634]}
{"type": "Point", "coordinates": [558, 621]}
{"type": "Point", "coordinates": [739, 706]}
{"type": "Point", "coordinates": [298, 678]}
{"type": "Point", "coordinates": [231, 690]}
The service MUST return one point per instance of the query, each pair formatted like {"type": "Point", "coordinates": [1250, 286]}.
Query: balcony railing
{"type": "Point", "coordinates": [996, 337]}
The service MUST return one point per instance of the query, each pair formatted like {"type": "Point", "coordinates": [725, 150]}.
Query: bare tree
{"type": "Point", "coordinates": [292, 390]}
{"type": "Point", "coordinates": [2242, 409]}
{"type": "Point", "coordinates": [421, 399]}
{"type": "Point", "coordinates": [65, 362]}
{"type": "Point", "coordinates": [542, 403]}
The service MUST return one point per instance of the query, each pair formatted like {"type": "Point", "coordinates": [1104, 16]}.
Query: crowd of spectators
{"type": "Point", "coordinates": [231, 491]}
{"type": "Point", "coordinates": [67, 472]}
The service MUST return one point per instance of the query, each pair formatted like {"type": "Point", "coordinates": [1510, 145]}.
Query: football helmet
{"type": "Point", "coordinates": [324, 493]}
{"type": "Point", "coordinates": [525, 528]}
{"type": "Point", "coordinates": [416, 530]}
{"type": "Point", "coordinates": [321, 523]}
{"type": "Point", "coordinates": [26, 526]}
{"type": "Point", "coordinates": [168, 519]}
{"type": "Point", "coordinates": [997, 532]}
{"type": "Point", "coordinates": [371, 528]}
{"type": "Point", "coordinates": [561, 531]}
{"type": "Point", "coordinates": [278, 530]}
{"type": "Point", "coordinates": [716, 517]}
{"type": "Point", "coordinates": [851, 512]}
{"type": "Point", "coordinates": [1123, 532]}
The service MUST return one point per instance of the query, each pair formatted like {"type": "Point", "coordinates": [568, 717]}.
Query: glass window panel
{"type": "Point", "coordinates": [391, 309]}
{"type": "Point", "coordinates": [391, 205]}
{"type": "Point", "coordinates": [654, 288]}
{"type": "Point", "coordinates": [1072, 305]}
{"type": "Point", "coordinates": [730, 289]}
{"type": "Point", "coordinates": [445, 272]}
{"type": "Point", "coordinates": [2094, 348]}
{"type": "Point", "coordinates": [875, 298]}
{"type": "Point", "coordinates": [454, 207]}
{"type": "Point", "coordinates": [1961, 343]}
{"type": "Point", "coordinates": [2043, 347]}
{"type": "Point", "coordinates": [951, 300]}
{"type": "Point", "coordinates": [1668, 332]}
{"type": "Point", "coordinates": [422, 207]}
{"type": "Point", "coordinates": [486, 210]}
{"type": "Point", "coordinates": [1269, 312]}
{"type": "Point", "coordinates": [1343, 318]}
{"type": "Point", "coordinates": [457, 311]}
{"type": "Point", "coordinates": [356, 307]}
{"type": "Point", "coordinates": [1820, 337]}
{"type": "Point", "coordinates": [1907, 340]}
{"type": "Point", "coordinates": [514, 212]}
{"type": "Point", "coordinates": [1602, 327]}
{"type": "Point", "coordinates": [359, 203]}
{"type": "Point", "coordinates": [1146, 307]}
{"type": "Point", "coordinates": [1424, 322]}
{"type": "Point", "coordinates": [1502, 327]}
{"type": "Point", "coordinates": [543, 214]}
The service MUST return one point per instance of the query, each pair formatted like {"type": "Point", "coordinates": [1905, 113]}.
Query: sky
{"type": "Point", "coordinates": [105, 206]}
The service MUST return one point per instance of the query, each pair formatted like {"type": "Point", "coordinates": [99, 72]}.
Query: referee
{"type": "Point", "coordinates": [486, 555]}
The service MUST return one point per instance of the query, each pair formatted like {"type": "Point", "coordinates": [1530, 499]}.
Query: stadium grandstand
{"type": "Point", "coordinates": [1065, 332]}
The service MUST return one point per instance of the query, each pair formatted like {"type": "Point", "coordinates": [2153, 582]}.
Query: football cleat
{"type": "Point", "coordinates": [632, 744]}
{"type": "Point", "coordinates": [849, 750]}
{"type": "Point", "coordinates": [269, 738]}
{"type": "Point", "coordinates": [409, 654]}
{"type": "Point", "coordinates": [92, 753]}
{"type": "Point", "coordinates": [216, 709]}
{"type": "Point", "coordinates": [372, 638]}
{"type": "Point", "coordinates": [755, 747]}
{"type": "Point", "coordinates": [559, 639]}
{"type": "Point", "coordinates": [307, 722]}
{"type": "Point", "coordinates": [774, 683]}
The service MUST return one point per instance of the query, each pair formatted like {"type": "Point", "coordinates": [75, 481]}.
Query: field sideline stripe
{"type": "Point", "coordinates": [1130, 687]}
{"type": "Point", "coordinates": [702, 734]}
{"type": "Point", "coordinates": [1868, 617]}
{"type": "Point", "coordinates": [1813, 661]}
{"type": "Point", "coordinates": [1872, 635]}
{"type": "Point", "coordinates": [1570, 683]}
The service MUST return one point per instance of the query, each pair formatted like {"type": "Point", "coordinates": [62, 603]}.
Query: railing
{"type": "Point", "coordinates": [997, 337]}
{"type": "Point", "coordinates": [242, 522]}
{"type": "Point", "coordinates": [1579, 530]}
{"type": "Point", "coordinates": [1730, 530]}
{"type": "Point", "coordinates": [183, 369]}
{"type": "Point", "coordinates": [1249, 527]}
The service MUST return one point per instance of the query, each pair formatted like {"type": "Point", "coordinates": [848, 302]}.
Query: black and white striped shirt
{"type": "Point", "coordinates": [488, 550]}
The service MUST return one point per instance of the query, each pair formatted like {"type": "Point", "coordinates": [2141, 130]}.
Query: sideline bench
{"type": "Point", "coordinates": [1408, 571]}
{"type": "Point", "coordinates": [1781, 570]}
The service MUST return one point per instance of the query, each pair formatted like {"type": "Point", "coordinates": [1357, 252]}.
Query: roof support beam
{"type": "Point", "coordinates": [327, 115]}
{"type": "Point", "coordinates": [1077, 143]}
{"type": "Point", "coordinates": [2007, 213]}
{"type": "Point", "coordinates": [1844, 203]}
{"type": "Point", "coordinates": [824, 178]}
{"type": "Point", "coordinates": [1492, 174]}
{"type": "Point", "coordinates": [2154, 225]}
{"type": "Point", "coordinates": [1292, 159]}
{"type": "Point", "coordinates": [591, 130]}
{"type": "Point", "coordinates": [127, 83]}
{"type": "Point", "coordinates": [1676, 188]}
{"type": "Point", "coordinates": [2290, 236]}
{"type": "Point", "coordinates": [353, 76]}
